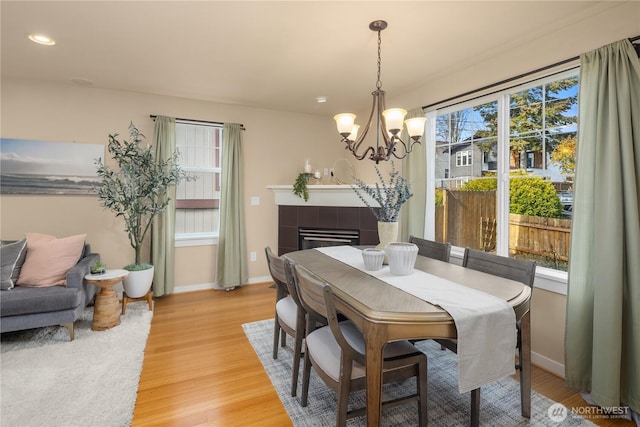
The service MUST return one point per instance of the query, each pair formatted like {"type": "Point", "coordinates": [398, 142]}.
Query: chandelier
{"type": "Point", "coordinates": [388, 123]}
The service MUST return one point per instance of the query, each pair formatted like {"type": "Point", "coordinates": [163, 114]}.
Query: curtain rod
{"type": "Point", "coordinates": [518, 77]}
{"type": "Point", "coordinates": [153, 116]}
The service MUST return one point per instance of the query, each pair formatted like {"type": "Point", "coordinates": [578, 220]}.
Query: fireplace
{"type": "Point", "coordinates": [335, 208]}
{"type": "Point", "coordinates": [348, 226]}
{"type": "Point", "coordinates": [309, 238]}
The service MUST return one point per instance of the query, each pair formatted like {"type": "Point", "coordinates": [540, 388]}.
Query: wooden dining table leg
{"type": "Point", "coordinates": [475, 407]}
{"type": "Point", "coordinates": [375, 342]}
{"type": "Point", "coordinates": [525, 365]}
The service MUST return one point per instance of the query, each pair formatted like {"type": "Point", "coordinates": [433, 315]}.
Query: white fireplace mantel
{"type": "Point", "coordinates": [319, 195]}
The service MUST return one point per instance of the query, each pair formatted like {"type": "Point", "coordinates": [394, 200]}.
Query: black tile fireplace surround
{"type": "Point", "coordinates": [291, 218]}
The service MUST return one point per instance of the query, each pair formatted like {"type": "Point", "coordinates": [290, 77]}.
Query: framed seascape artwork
{"type": "Point", "coordinates": [40, 167]}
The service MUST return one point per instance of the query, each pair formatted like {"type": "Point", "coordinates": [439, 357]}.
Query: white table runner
{"type": "Point", "coordinates": [486, 325]}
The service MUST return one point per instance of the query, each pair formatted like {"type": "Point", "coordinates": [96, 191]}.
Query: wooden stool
{"type": "Point", "coordinates": [106, 313]}
{"type": "Point", "coordinates": [127, 299]}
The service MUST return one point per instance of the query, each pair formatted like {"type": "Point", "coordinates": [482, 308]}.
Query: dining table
{"type": "Point", "coordinates": [385, 313]}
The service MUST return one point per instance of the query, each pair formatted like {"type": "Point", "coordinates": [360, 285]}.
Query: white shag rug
{"type": "Point", "coordinates": [91, 381]}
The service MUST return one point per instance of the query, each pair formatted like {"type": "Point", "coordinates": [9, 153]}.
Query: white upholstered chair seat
{"type": "Point", "coordinates": [326, 352]}
{"type": "Point", "coordinates": [287, 311]}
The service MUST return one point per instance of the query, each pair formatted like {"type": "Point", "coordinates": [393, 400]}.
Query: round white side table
{"type": "Point", "coordinates": [106, 311]}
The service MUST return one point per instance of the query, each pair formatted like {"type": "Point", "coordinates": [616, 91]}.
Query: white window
{"type": "Point", "coordinates": [463, 158]}
{"type": "Point", "coordinates": [198, 200]}
{"type": "Point", "coordinates": [525, 138]}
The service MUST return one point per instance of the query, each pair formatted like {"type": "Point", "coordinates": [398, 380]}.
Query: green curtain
{"type": "Point", "coordinates": [602, 339]}
{"type": "Point", "coordinates": [414, 169]}
{"type": "Point", "coordinates": [163, 226]}
{"type": "Point", "coordinates": [232, 248]}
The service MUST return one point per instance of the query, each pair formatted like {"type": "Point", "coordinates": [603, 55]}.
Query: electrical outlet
{"type": "Point", "coordinates": [255, 201]}
{"type": "Point", "coordinates": [253, 256]}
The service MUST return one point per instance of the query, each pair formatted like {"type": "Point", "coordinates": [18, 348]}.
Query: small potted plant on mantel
{"type": "Point", "coordinates": [390, 197]}
{"type": "Point", "coordinates": [136, 191]}
{"type": "Point", "coordinates": [300, 186]}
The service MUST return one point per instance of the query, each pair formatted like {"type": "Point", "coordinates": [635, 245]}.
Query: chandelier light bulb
{"type": "Point", "coordinates": [415, 126]}
{"type": "Point", "coordinates": [393, 118]}
{"type": "Point", "coordinates": [354, 133]}
{"type": "Point", "coordinates": [344, 122]}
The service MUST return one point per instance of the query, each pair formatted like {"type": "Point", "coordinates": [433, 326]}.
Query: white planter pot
{"type": "Point", "coordinates": [138, 283]}
{"type": "Point", "coordinates": [402, 257]}
{"type": "Point", "coordinates": [373, 258]}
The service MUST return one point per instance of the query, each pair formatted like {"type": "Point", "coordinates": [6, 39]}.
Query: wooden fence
{"type": "Point", "coordinates": [547, 237]}
{"type": "Point", "coordinates": [467, 219]}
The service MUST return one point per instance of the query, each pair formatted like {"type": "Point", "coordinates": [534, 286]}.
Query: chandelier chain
{"type": "Point", "coordinates": [378, 82]}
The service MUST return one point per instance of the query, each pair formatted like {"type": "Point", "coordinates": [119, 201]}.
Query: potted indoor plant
{"type": "Point", "coordinates": [98, 268]}
{"type": "Point", "coordinates": [390, 196]}
{"type": "Point", "coordinates": [300, 186]}
{"type": "Point", "coordinates": [136, 191]}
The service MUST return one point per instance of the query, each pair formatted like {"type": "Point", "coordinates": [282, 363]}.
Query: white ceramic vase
{"type": "Point", "coordinates": [387, 233]}
{"type": "Point", "coordinates": [138, 283]}
{"type": "Point", "coordinates": [401, 257]}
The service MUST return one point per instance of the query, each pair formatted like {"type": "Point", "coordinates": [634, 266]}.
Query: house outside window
{"type": "Point", "coordinates": [463, 158]}
{"type": "Point", "coordinates": [198, 201]}
{"type": "Point", "coordinates": [524, 142]}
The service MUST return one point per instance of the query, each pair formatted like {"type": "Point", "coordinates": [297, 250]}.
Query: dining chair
{"type": "Point", "coordinates": [337, 352]}
{"type": "Point", "coordinates": [431, 249]}
{"type": "Point", "coordinates": [289, 316]}
{"type": "Point", "coordinates": [514, 269]}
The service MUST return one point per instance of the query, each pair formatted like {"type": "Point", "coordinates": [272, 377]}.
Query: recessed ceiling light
{"type": "Point", "coordinates": [321, 99]}
{"type": "Point", "coordinates": [82, 82]}
{"type": "Point", "coordinates": [41, 39]}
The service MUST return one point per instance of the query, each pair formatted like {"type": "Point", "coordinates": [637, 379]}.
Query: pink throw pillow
{"type": "Point", "coordinates": [49, 259]}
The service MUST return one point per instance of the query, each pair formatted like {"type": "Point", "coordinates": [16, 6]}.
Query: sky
{"type": "Point", "coordinates": [18, 156]}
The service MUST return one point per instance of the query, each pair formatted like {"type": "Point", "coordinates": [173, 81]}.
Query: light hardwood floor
{"type": "Point", "coordinates": [199, 368]}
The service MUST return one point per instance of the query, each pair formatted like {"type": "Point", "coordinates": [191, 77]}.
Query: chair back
{"type": "Point", "coordinates": [289, 267]}
{"type": "Point", "coordinates": [309, 288]}
{"type": "Point", "coordinates": [431, 249]}
{"type": "Point", "coordinates": [353, 349]}
{"type": "Point", "coordinates": [318, 299]}
{"type": "Point", "coordinates": [277, 271]}
{"type": "Point", "coordinates": [520, 270]}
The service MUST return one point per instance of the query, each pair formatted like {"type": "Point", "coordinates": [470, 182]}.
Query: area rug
{"type": "Point", "coordinates": [91, 381]}
{"type": "Point", "coordinates": [500, 400]}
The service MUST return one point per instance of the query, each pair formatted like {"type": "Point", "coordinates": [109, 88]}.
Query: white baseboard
{"type": "Point", "coordinates": [192, 288]}
{"type": "Point", "coordinates": [547, 364]}
{"type": "Point", "coordinates": [206, 286]}
{"type": "Point", "coordinates": [263, 279]}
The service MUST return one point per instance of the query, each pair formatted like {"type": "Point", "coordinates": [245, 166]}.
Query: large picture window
{"type": "Point", "coordinates": [504, 168]}
{"type": "Point", "coordinates": [198, 201]}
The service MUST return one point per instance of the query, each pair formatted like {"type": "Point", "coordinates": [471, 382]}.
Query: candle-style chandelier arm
{"type": "Point", "coordinates": [380, 152]}
{"type": "Point", "coordinates": [354, 145]}
{"type": "Point", "coordinates": [407, 148]}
